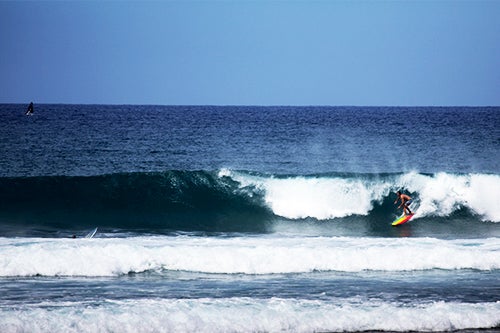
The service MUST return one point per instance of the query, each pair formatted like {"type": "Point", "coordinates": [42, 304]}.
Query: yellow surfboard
{"type": "Point", "coordinates": [402, 219]}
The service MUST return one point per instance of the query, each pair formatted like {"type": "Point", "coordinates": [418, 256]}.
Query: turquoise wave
{"type": "Point", "coordinates": [223, 201]}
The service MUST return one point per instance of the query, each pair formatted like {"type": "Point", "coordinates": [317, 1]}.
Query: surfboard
{"type": "Point", "coordinates": [91, 234]}
{"type": "Point", "coordinates": [402, 219]}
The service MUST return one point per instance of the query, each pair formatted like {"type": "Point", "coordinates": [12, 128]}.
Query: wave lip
{"type": "Point", "coordinates": [241, 255]}
{"type": "Point", "coordinates": [252, 315]}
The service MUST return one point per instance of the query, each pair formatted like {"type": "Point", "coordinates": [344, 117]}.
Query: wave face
{"type": "Point", "coordinates": [174, 200]}
{"type": "Point", "coordinates": [237, 201]}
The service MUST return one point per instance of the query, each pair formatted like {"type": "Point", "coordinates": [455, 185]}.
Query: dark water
{"type": "Point", "coordinates": [247, 219]}
{"type": "Point", "coordinates": [94, 139]}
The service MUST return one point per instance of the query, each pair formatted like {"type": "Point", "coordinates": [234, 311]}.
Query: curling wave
{"type": "Point", "coordinates": [330, 196]}
{"type": "Point", "coordinates": [233, 201]}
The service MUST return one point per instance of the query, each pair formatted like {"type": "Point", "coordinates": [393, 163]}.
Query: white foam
{"type": "Point", "coordinates": [248, 255]}
{"type": "Point", "coordinates": [333, 197]}
{"type": "Point", "coordinates": [249, 315]}
{"type": "Point", "coordinates": [443, 193]}
{"type": "Point", "coordinates": [317, 197]}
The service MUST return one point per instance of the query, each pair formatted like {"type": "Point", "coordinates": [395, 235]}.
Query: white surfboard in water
{"type": "Point", "coordinates": [91, 234]}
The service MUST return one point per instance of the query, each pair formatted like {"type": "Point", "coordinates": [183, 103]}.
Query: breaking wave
{"type": "Point", "coordinates": [340, 195]}
{"type": "Point", "coordinates": [234, 201]}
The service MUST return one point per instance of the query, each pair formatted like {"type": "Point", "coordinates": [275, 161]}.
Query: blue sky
{"type": "Point", "coordinates": [251, 52]}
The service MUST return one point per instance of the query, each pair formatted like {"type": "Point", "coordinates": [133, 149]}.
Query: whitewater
{"type": "Point", "coordinates": [236, 314]}
{"type": "Point", "coordinates": [278, 282]}
{"type": "Point", "coordinates": [248, 219]}
{"type": "Point", "coordinates": [330, 196]}
{"type": "Point", "coordinates": [241, 255]}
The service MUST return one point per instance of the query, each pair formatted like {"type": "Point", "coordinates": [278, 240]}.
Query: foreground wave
{"type": "Point", "coordinates": [234, 201]}
{"type": "Point", "coordinates": [241, 255]}
{"type": "Point", "coordinates": [249, 315]}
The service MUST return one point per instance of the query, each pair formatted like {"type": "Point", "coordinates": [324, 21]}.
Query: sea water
{"type": "Point", "coordinates": [245, 219]}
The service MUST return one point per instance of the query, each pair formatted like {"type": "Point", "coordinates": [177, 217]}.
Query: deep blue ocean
{"type": "Point", "coordinates": [248, 219]}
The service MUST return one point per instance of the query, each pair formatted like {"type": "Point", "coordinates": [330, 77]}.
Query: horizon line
{"type": "Point", "coordinates": [254, 105]}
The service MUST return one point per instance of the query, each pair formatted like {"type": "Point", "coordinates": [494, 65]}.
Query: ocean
{"type": "Point", "coordinates": [248, 219]}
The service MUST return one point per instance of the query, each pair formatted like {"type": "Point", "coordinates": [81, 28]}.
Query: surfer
{"type": "Point", "coordinates": [405, 202]}
{"type": "Point", "coordinates": [30, 109]}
